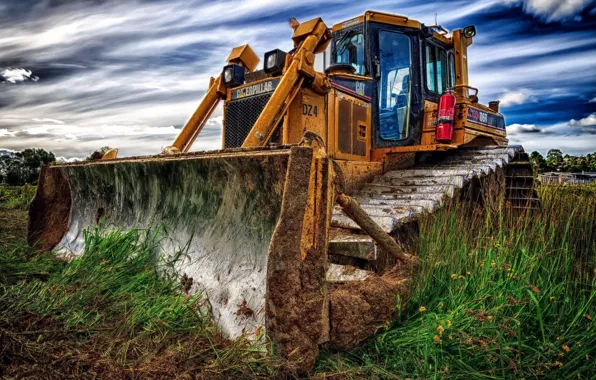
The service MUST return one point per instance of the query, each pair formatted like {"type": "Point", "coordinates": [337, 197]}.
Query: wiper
{"type": "Point", "coordinates": [343, 38]}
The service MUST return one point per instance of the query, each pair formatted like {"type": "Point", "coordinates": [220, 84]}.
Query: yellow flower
{"type": "Point", "coordinates": [551, 298]}
{"type": "Point", "coordinates": [461, 277]}
{"type": "Point", "coordinates": [441, 330]}
{"type": "Point", "coordinates": [422, 309]}
{"type": "Point", "coordinates": [490, 319]}
{"type": "Point", "coordinates": [565, 348]}
{"type": "Point", "coordinates": [559, 364]}
{"type": "Point", "coordinates": [493, 264]}
{"type": "Point", "coordinates": [468, 273]}
{"type": "Point", "coordinates": [454, 276]}
{"type": "Point", "coordinates": [441, 305]}
{"type": "Point", "coordinates": [448, 323]}
{"type": "Point", "coordinates": [436, 339]}
{"type": "Point", "coordinates": [497, 245]}
{"type": "Point", "coordinates": [450, 337]}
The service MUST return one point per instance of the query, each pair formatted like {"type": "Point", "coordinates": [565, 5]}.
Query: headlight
{"type": "Point", "coordinates": [233, 75]}
{"type": "Point", "coordinates": [228, 75]}
{"type": "Point", "coordinates": [271, 59]}
{"type": "Point", "coordinates": [469, 31]}
{"type": "Point", "coordinates": [275, 61]}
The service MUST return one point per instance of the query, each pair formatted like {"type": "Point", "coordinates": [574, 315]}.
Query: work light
{"type": "Point", "coordinates": [469, 31]}
{"type": "Point", "coordinates": [275, 61]}
{"type": "Point", "coordinates": [233, 75]}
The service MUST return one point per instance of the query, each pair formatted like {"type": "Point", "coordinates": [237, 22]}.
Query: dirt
{"type": "Point", "coordinates": [50, 209]}
{"type": "Point", "coordinates": [296, 307]}
{"type": "Point", "coordinates": [358, 309]}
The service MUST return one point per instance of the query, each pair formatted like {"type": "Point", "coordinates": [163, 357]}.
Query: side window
{"type": "Point", "coordinates": [451, 70]}
{"type": "Point", "coordinates": [437, 76]}
{"type": "Point", "coordinates": [431, 83]}
{"type": "Point", "coordinates": [350, 49]}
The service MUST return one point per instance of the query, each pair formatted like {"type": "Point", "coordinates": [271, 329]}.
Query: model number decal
{"type": "Point", "coordinates": [310, 110]}
{"type": "Point", "coordinates": [486, 119]}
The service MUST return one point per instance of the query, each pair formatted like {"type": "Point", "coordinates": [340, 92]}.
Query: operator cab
{"type": "Point", "coordinates": [395, 63]}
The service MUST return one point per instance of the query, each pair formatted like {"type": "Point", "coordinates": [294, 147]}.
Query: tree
{"type": "Point", "coordinates": [23, 167]}
{"type": "Point", "coordinates": [554, 159]}
{"type": "Point", "coordinates": [538, 161]}
{"type": "Point", "coordinates": [17, 174]}
{"type": "Point", "coordinates": [33, 160]}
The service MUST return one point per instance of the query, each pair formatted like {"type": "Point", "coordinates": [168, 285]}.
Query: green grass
{"type": "Point", "coordinates": [495, 297]}
{"type": "Point", "coordinates": [118, 308]}
{"type": "Point", "coordinates": [16, 197]}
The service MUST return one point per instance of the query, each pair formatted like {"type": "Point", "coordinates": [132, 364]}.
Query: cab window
{"type": "Point", "coordinates": [394, 85]}
{"type": "Point", "coordinates": [350, 49]}
{"type": "Point", "coordinates": [451, 70]}
{"type": "Point", "coordinates": [437, 69]}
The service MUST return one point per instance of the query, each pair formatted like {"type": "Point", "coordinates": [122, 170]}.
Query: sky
{"type": "Point", "coordinates": [79, 75]}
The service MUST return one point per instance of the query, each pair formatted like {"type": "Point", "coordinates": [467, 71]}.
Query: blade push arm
{"type": "Point", "coordinates": [242, 56]}
{"type": "Point", "coordinates": [199, 118]}
{"type": "Point", "coordinates": [311, 37]}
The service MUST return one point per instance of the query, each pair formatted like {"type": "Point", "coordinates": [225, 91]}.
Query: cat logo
{"type": "Point", "coordinates": [255, 89]}
{"type": "Point", "coordinates": [360, 88]}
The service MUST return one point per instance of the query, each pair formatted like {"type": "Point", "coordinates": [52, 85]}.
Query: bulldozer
{"type": "Point", "coordinates": [304, 225]}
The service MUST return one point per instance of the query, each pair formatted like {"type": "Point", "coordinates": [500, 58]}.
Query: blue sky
{"type": "Point", "coordinates": [78, 75]}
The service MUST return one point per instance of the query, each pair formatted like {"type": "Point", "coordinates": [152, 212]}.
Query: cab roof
{"type": "Point", "coordinates": [391, 19]}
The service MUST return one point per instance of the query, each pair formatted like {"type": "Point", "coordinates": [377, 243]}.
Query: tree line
{"type": "Point", "coordinates": [19, 168]}
{"type": "Point", "coordinates": [556, 161]}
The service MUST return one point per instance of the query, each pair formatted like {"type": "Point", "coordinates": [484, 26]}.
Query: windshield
{"type": "Point", "coordinates": [394, 85]}
{"type": "Point", "coordinates": [350, 49]}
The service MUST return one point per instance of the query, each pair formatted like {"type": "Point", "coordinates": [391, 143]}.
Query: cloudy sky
{"type": "Point", "coordinates": [78, 75]}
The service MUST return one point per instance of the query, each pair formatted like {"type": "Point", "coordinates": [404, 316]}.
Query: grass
{"type": "Point", "coordinates": [16, 197]}
{"type": "Point", "coordinates": [496, 297]}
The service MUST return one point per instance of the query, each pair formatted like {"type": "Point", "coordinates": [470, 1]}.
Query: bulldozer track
{"type": "Point", "coordinates": [401, 196]}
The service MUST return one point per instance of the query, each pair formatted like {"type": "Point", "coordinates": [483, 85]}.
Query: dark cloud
{"type": "Point", "coordinates": [105, 67]}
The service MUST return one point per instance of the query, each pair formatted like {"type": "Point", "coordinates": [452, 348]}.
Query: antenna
{"type": "Point", "coordinates": [436, 22]}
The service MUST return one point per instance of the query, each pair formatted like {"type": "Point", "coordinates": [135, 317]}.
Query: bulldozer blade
{"type": "Point", "coordinates": [253, 223]}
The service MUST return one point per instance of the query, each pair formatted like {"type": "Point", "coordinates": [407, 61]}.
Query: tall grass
{"type": "Point", "coordinates": [118, 308]}
{"type": "Point", "coordinates": [497, 296]}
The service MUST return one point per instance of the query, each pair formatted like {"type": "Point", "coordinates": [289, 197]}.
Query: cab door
{"type": "Point", "coordinates": [396, 102]}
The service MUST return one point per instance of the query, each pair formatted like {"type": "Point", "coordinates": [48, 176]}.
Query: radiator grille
{"type": "Point", "coordinates": [240, 116]}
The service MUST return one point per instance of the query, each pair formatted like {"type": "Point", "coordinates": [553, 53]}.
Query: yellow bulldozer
{"type": "Point", "coordinates": [304, 224]}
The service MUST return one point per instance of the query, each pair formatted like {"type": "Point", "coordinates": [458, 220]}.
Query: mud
{"type": "Point", "coordinates": [358, 309]}
{"type": "Point", "coordinates": [49, 212]}
{"type": "Point", "coordinates": [296, 296]}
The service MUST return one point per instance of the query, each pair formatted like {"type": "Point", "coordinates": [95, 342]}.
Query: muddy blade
{"type": "Point", "coordinates": [249, 221]}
